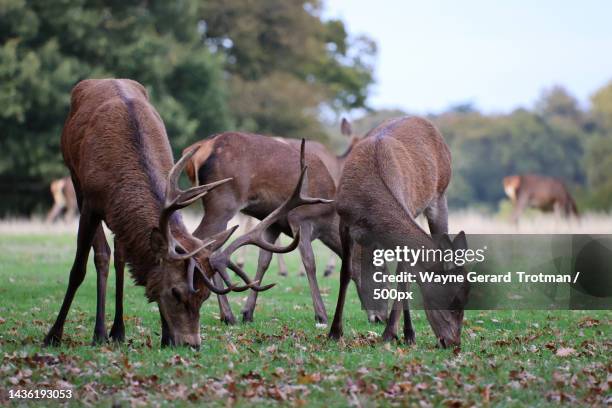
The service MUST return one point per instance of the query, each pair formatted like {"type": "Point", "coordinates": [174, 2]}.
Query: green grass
{"type": "Point", "coordinates": [507, 358]}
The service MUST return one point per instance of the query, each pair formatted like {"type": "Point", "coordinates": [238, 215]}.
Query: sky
{"type": "Point", "coordinates": [498, 55]}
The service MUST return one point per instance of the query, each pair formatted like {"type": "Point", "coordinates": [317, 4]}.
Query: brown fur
{"type": "Point", "coordinates": [264, 172]}
{"type": "Point", "coordinates": [400, 170]}
{"type": "Point", "coordinates": [544, 193]}
{"type": "Point", "coordinates": [115, 145]}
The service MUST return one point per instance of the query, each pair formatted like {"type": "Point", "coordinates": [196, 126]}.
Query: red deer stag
{"type": "Point", "coordinates": [333, 164]}
{"type": "Point", "coordinates": [544, 193]}
{"type": "Point", "coordinates": [116, 148]}
{"type": "Point", "coordinates": [64, 199]}
{"type": "Point", "coordinates": [263, 170]}
{"type": "Point", "coordinates": [400, 170]}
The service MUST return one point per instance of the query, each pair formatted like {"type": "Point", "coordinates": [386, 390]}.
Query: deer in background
{"type": "Point", "coordinates": [400, 170]}
{"type": "Point", "coordinates": [64, 199]}
{"type": "Point", "coordinates": [544, 193]}
{"type": "Point", "coordinates": [115, 145]}
{"type": "Point", "coordinates": [263, 169]}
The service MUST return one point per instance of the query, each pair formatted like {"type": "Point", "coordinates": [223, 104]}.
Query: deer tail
{"type": "Point", "coordinates": [198, 159]}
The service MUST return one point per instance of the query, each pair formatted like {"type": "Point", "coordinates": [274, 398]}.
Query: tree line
{"type": "Point", "coordinates": [268, 66]}
{"type": "Point", "coordinates": [556, 137]}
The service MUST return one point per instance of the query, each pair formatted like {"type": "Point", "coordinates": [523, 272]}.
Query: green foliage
{"type": "Point", "coordinates": [269, 67]}
{"type": "Point", "coordinates": [557, 139]}
{"type": "Point", "coordinates": [46, 47]}
{"type": "Point", "coordinates": [285, 63]}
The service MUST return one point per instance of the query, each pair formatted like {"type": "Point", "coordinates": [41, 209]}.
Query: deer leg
{"type": "Point", "coordinates": [117, 332]}
{"type": "Point", "coordinates": [282, 265]}
{"type": "Point", "coordinates": [225, 310]}
{"type": "Point", "coordinates": [54, 213]}
{"type": "Point", "coordinates": [308, 260]}
{"type": "Point", "coordinates": [88, 224]}
{"type": "Point", "coordinates": [409, 334]}
{"type": "Point", "coordinates": [242, 252]}
{"type": "Point", "coordinates": [331, 265]}
{"type": "Point", "coordinates": [101, 261]}
{"type": "Point", "coordinates": [390, 332]}
{"type": "Point", "coordinates": [345, 278]}
{"type": "Point", "coordinates": [520, 205]}
{"type": "Point", "coordinates": [262, 265]}
{"type": "Point", "coordinates": [217, 215]}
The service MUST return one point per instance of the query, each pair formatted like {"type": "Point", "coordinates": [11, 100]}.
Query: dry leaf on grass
{"type": "Point", "coordinates": [565, 351]}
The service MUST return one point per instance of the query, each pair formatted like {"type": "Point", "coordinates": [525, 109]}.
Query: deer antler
{"type": "Point", "coordinates": [220, 260]}
{"type": "Point", "coordinates": [175, 199]}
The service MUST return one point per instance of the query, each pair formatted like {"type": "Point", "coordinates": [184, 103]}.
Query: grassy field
{"type": "Point", "coordinates": [535, 358]}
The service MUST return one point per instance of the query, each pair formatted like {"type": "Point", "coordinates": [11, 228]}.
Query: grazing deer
{"type": "Point", "coordinates": [332, 163]}
{"type": "Point", "coordinates": [544, 193]}
{"type": "Point", "coordinates": [263, 170]}
{"type": "Point", "coordinates": [400, 170]}
{"type": "Point", "coordinates": [64, 199]}
{"type": "Point", "coordinates": [115, 145]}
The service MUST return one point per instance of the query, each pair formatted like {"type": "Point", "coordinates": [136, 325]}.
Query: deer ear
{"type": "Point", "coordinates": [460, 241]}
{"type": "Point", "coordinates": [158, 243]}
{"type": "Point", "coordinates": [221, 238]}
{"type": "Point", "coordinates": [346, 128]}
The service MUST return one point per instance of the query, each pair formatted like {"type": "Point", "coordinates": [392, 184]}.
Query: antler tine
{"type": "Point", "coordinates": [236, 288]}
{"type": "Point", "coordinates": [181, 257]}
{"type": "Point", "coordinates": [209, 284]}
{"type": "Point", "coordinates": [176, 198]}
{"type": "Point", "coordinates": [252, 285]}
{"type": "Point", "coordinates": [255, 236]}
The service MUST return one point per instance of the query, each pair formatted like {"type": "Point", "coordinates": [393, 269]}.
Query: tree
{"type": "Point", "coordinates": [46, 47]}
{"type": "Point", "coordinates": [285, 63]}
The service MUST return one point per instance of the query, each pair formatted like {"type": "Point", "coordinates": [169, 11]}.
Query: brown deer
{"type": "Point", "coordinates": [398, 171]}
{"type": "Point", "coordinates": [115, 145]}
{"type": "Point", "coordinates": [261, 178]}
{"type": "Point", "coordinates": [544, 193]}
{"type": "Point", "coordinates": [333, 164]}
{"type": "Point", "coordinates": [64, 199]}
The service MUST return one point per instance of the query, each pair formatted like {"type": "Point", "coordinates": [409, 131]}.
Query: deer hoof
{"type": "Point", "coordinates": [52, 340]}
{"type": "Point", "coordinates": [247, 316]}
{"type": "Point", "coordinates": [335, 334]}
{"type": "Point", "coordinates": [321, 319]}
{"type": "Point", "coordinates": [229, 320]}
{"type": "Point", "coordinates": [99, 339]}
{"type": "Point", "coordinates": [328, 272]}
{"type": "Point", "coordinates": [117, 335]}
{"type": "Point", "coordinates": [388, 337]}
{"type": "Point", "coordinates": [282, 273]}
{"type": "Point", "coordinates": [410, 339]}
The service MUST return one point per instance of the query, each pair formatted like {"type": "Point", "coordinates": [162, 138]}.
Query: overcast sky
{"type": "Point", "coordinates": [497, 54]}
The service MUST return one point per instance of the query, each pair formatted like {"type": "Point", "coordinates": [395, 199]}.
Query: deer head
{"type": "Point", "coordinates": [444, 304]}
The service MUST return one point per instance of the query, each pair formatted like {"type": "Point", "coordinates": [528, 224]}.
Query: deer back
{"type": "Point", "coordinates": [393, 174]}
{"type": "Point", "coordinates": [263, 170]}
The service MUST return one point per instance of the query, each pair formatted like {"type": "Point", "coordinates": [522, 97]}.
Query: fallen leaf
{"type": "Point", "coordinates": [565, 351]}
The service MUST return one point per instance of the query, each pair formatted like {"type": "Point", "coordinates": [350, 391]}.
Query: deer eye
{"type": "Point", "coordinates": [177, 295]}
